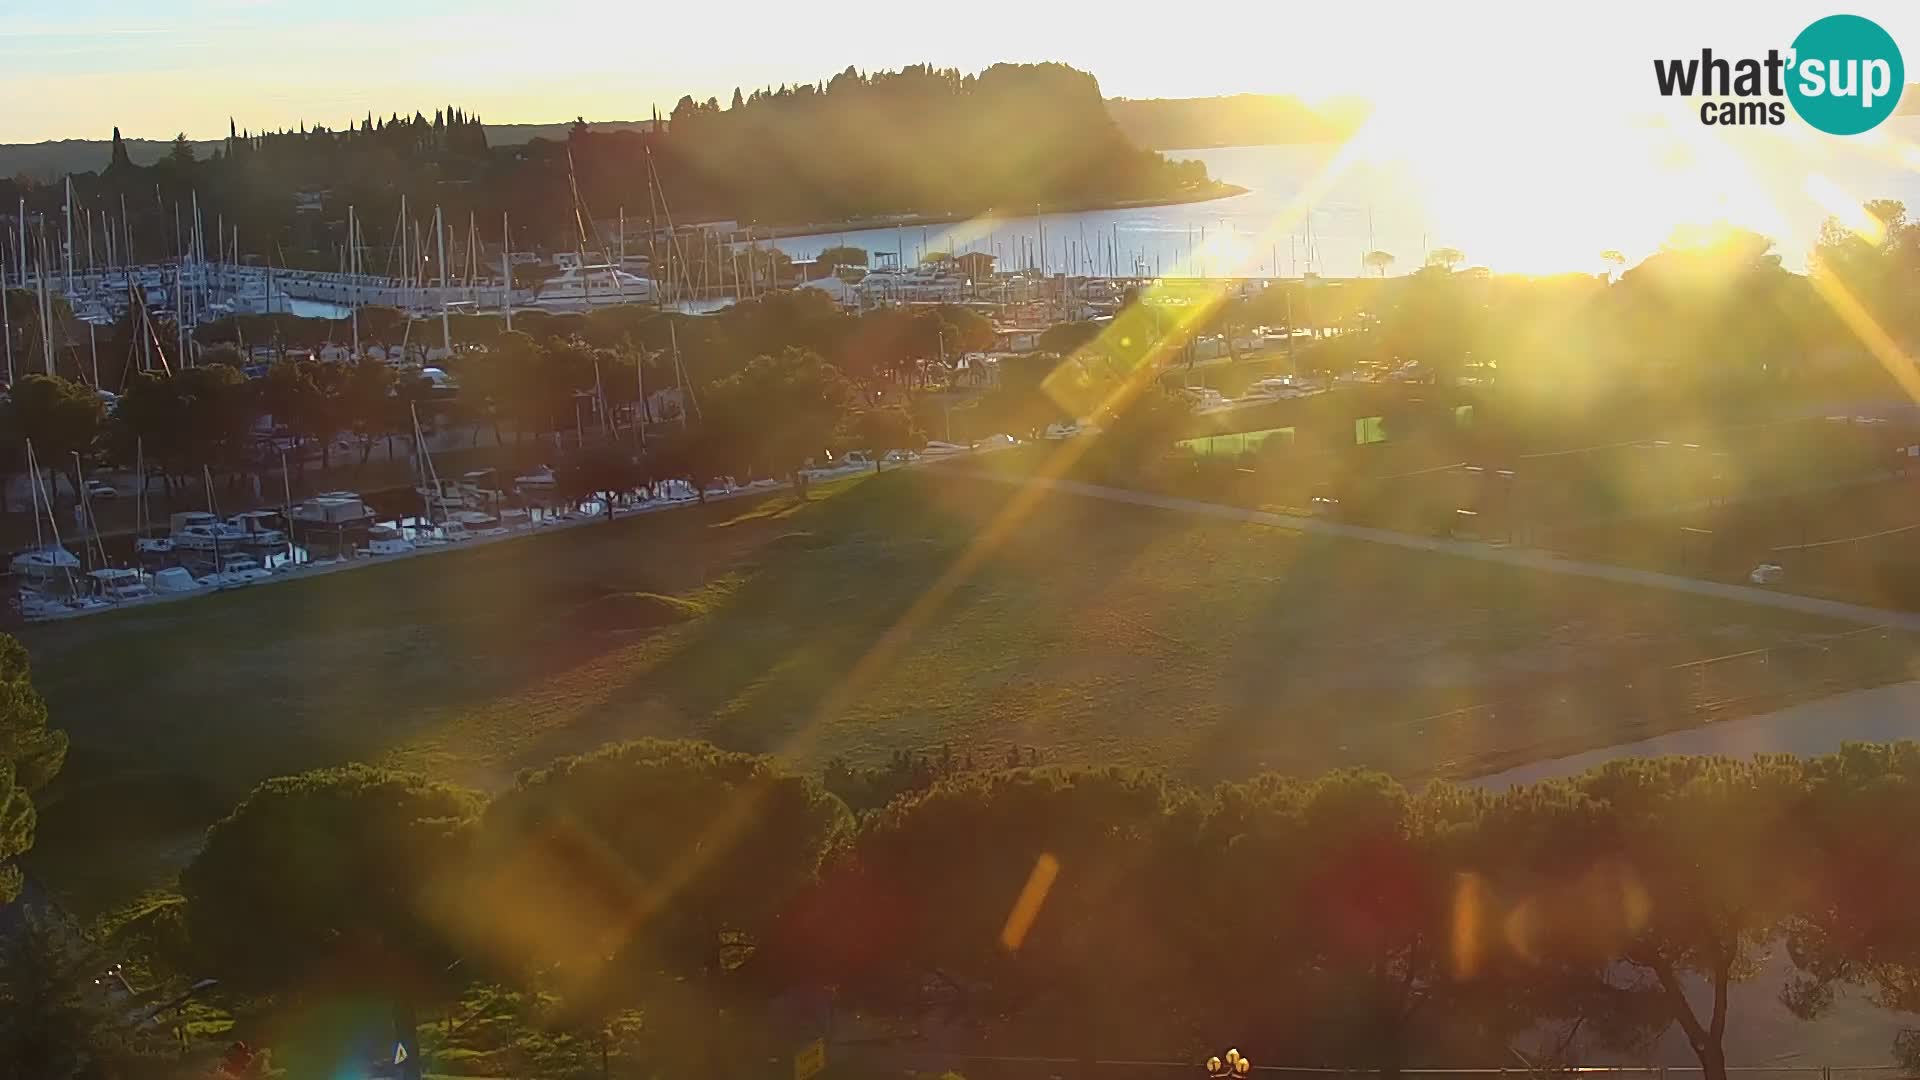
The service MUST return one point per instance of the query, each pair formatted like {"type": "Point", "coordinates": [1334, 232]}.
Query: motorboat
{"type": "Point", "coordinates": [118, 585]}
{"type": "Point", "coordinates": [153, 545]}
{"type": "Point", "coordinates": [581, 287]}
{"type": "Point", "coordinates": [45, 563]}
{"type": "Point", "coordinates": [331, 510]}
{"type": "Point", "coordinates": [443, 496]}
{"type": "Point", "coordinates": [173, 580]}
{"type": "Point", "coordinates": [34, 605]}
{"type": "Point", "coordinates": [541, 478]}
{"type": "Point", "coordinates": [198, 530]}
{"type": "Point", "coordinates": [259, 527]}
{"type": "Point", "coordinates": [387, 540]}
{"type": "Point", "coordinates": [236, 569]}
{"type": "Point", "coordinates": [481, 490]}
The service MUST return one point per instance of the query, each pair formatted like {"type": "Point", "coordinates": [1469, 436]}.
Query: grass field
{"type": "Point", "coordinates": [1094, 632]}
{"type": "Point", "coordinates": [1852, 542]}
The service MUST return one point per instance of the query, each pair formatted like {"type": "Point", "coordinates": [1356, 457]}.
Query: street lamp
{"type": "Point", "coordinates": [1235, 1067]}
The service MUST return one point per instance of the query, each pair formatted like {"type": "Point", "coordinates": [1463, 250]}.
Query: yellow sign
{"type": "Point", "coordinates": [809, 1060]}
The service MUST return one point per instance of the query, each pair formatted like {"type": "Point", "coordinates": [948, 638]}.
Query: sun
{"type": "Point", "coordinates": [1542, 187]}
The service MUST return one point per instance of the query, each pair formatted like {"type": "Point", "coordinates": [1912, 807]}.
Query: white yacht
{"type": "Point", "coordinates": [331, 510]}
{"type": "Point", "coordinates": [118, 585]}
{"type": "Point", "coordinates": [481, 489]}
{"type": "Point", "coordinates": [236, 569]}
{"type": "Point", "coordinates": [259, 528]}
{"type": "Point", "coordinates": [387, 540]}
{"type": "Point", "coordinates": [45, 563]}
{"type": "Point", "coordinates": [582, 287]}
{"type": "Point", "coordinates": [198, 530]}
{"type": "Point", "coordinates": [175, 579]}
{"type": "Point", "coordinates": [34, 605]}
{"type": "Point", "coordinates": [541, 478]}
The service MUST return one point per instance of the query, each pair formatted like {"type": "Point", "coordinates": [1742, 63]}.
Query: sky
{"type": "Point", "coordinates": [78, 68]}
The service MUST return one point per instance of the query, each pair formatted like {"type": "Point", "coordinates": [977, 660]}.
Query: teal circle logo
{"type": "Point", "coordinates": [1846, 75]}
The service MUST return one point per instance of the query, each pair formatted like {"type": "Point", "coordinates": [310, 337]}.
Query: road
{"type": "Point", "coordinates": [1521, 558]}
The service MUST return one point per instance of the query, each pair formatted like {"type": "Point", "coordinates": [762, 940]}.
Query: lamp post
{"type": "Point", "coordinates": [1233, 1067]}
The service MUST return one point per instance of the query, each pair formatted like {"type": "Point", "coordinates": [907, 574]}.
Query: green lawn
{"type": "Point", "coordinates": [1093, 632]}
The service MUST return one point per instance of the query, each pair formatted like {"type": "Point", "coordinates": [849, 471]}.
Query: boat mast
{"type": "Point", "coordinates": [206, 474]}
{"type": "Point", "coordinates": [69, 215]}
{"type": "Point", "coordinates": [52, 525]}
{"type": "Point", "coordinates": [353, 285]}
{"type": "Point", "coordinates": [471, 265]}
{"type": "Point", "coordinates": [89, 527]}
{"type": "Point", "coordinates": [432, 486]}
{"type": "Point", "coordinates": [506, 268]}
{"type": "Point", "coordinates": [46, 310]}
{"type": "Point", "coordinates": [33, 470]}
{"type": "Point", "coordinates": [440, 239]}
{"type": "Point", "coordinates": [286, 507]}
{"type": "Point", "coordinates": [6, 319]}
{"type": "Point", "coordinates": [400, 228]}
{"type": "Point", "coordinates": [653, 234]}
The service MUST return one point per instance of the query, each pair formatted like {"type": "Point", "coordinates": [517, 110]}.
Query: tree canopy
{"type": "Point", "coordinates": [330, 877]}
{"type": "Point", "coordinates": [31, 754]}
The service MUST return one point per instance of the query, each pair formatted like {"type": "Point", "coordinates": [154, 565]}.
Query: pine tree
{"type": "Point", "coordinates": [58, 1016]}
{"type": "Point", "coordinates": [738, 101]}
{"type": "Point", "coordinates": [30, 755]}
{"type": "Point", "coordinates": [119, 159]}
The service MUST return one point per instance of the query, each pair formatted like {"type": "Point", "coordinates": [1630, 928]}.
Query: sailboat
{"type": "Point", "coordinates": [453, 518]}
{"type": "Point", "coordinates": [49, 568]}
{"type": "Point", "coordinates": [105, 581]}
{"type": "Point", "coordinates": [44, 562]}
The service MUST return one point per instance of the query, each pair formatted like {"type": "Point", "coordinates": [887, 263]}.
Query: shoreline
{"type": "Point", "coordinates": [1220, 190]}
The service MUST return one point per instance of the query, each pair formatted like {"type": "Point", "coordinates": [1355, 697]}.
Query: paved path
{"type": "Point", "coordinates": [1522, 558]}
{"type": "Point", "coordinates": [1881, 714]}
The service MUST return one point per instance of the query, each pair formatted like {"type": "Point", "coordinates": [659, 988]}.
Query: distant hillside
{"type": "Point", "coordinates": [1152, 123]}
{"type": "Point", "coordinates": [1240, 120]}
{"type": "Point", "coordinates": [46, 160]}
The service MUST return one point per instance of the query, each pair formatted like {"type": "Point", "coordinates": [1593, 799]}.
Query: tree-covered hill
{"type": "Point", "coordinates": [916, 141]}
